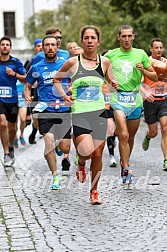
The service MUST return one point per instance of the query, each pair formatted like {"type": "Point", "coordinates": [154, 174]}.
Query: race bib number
{"type": "Point", "coordinates": [90, 93]}
{"type": "Point", "coordinates": [127, 98]}
{"type": "Point", "coordinates": [160, 89]}
{"type": "Point", "coordinates": [5, 92]}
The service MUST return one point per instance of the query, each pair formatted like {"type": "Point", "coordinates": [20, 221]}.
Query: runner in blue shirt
{"type": "Point", "coordinates": [11, 69]}
{"type": "Point", "coordinates": [53, 119]}
{"type": "Point", "coordinates": [63, 54]}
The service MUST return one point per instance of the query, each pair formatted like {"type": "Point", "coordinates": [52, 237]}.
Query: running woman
{"type": "Point", "coordinates": [87, 72]}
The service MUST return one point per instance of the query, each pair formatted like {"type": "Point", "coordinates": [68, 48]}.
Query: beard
{"type": "Point", "coordinates": [50, 57]}
{"type": "Point", "coordinates": [4, 53]}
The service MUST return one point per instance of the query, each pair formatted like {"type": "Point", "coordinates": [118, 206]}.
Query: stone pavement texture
{"type": "Point", "coordinates": [34, 218]}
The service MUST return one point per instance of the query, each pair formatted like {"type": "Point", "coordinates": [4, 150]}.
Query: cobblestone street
{"type": "Point", "coordinates": [35, 218]}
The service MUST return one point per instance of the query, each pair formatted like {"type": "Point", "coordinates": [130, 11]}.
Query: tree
{"type": "Point", "coordinates": [37, 25]}
{"type": "Point", "coordinates": [149, 19]}
{"type": "Point", "coordinates": [73, 14]}
{"type": "Point", "coordinates": [108, 15]}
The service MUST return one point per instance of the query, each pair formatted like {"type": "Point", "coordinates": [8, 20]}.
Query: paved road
{"type": "Point", "coordinates": [34, 218]}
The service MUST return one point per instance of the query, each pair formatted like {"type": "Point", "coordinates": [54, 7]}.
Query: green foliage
{"type": "Point", "coordinates": [72, 15]}
{"type": "Point", "coordinates": [37, 25]}
{"type": "Point", "coordinates": [135, 8]}
{"type": "Point", "coordinates": [147, 17]}
{"type": "Point", "coordinates": [147, 28]}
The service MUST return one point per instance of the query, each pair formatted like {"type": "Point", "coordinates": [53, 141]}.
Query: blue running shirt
{"type": "Point", "coordinates": [8, 90]}
{"type": "Point", "coordinates": [43, 72]}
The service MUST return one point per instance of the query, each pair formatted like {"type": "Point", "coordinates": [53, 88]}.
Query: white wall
{"type": "Point", "coordinates": [14, 6]}
{"type": "Point", "coordinates": [23, 10]}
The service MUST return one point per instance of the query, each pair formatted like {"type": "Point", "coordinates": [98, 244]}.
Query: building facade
{"type": "Point", "coordinates": [13, 14]}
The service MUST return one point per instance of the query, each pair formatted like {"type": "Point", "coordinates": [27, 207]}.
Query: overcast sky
{"type": "Point", "coordinates": [46, 4]}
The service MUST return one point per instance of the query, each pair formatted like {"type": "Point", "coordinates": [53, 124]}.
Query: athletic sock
{"type": "Point", "coordinates": [34, 130]}
{"type": "Point", "coordinates": [111, 145]}
{"type": "Point", "coordinates": [11, 149]}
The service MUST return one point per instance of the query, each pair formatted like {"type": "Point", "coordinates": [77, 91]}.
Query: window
{"type": "Point", "coordinates": [9, 24]}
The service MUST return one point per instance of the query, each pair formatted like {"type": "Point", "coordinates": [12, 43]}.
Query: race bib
{"type": "Point", "coordinates": [5, 92]}
{"type": "Point", "coordinates": [160, 89]}
{"type": "Point", "coordinates": [88, 93]}
{"type": "Point", "coordinates": [127, 98]}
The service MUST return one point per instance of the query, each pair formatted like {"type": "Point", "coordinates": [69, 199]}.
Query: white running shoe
{"type": "Point", "coordinates": [113, 162]}
{"type": "Point", "coordinates": [8, 161]}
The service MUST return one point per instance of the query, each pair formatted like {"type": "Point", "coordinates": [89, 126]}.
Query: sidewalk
{"type": "Point", "coordinates": [34, 218]}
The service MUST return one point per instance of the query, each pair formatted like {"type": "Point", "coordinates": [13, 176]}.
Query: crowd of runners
{"type": "Point", "coordinates": [81, 96]}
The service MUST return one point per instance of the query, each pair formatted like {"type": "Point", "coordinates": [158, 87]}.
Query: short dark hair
{"type": "Point", "coordinates": [6, 38]}
{"type": "Point", "coordinates": [52, 30]}
{"type": "Point", "coordinates": [157, 40]}
{"type": "Point", "coordinates": [125, 27]}
{"type": "Point", "coordinates": [48, 36]}
{"type": "Point", "coordinates": [96, 29]}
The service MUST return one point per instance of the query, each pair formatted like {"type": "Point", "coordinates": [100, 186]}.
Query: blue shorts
{"type": "Point", "coordinates": [22, 104]}
{"type": "Point", "coordinates": [130, 113]}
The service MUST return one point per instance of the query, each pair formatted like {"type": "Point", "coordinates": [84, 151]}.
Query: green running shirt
{"type": "Point", "coordinates": [87, 88]}
{"type": "Point", "coordinates": [125, 72]}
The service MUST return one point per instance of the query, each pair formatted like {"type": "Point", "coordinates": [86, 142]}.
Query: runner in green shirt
{"type": "Point", "coordinates": [128, 65]}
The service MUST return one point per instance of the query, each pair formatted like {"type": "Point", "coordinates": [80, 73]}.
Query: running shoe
{"type": "Point", "coordinates": [113, 162]}
{"type": "Point", "coordinates": [81, 173]}
{"type": "Point", "coordinates": [65, 164]}
{"type": "Point", "coordinates": [31, 139]}
{"type": "Point", "coordinates": [146, 143]}
{"type": "Point", "coordinates": [94, 198]}
{"type": "Point", "coordinates": [165, 165]}
{"type": "Point", "coordinates": [22, 141]}
{"type": "Point", "coordinates": [76, 159]}
{"type": "Point", "coordinates": [58, 151]}
{"type": "Point", "coordinates": [56, 183]}
{"type": "Point", "coordinates": [8, 161]}
{"type": "Point", "coordinates": [126, 176]}
{"type": "Point", "coordinates": [16, 143]}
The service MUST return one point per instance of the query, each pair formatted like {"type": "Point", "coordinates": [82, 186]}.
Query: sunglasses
{"type": "Point", "coordinates": [58, 37]}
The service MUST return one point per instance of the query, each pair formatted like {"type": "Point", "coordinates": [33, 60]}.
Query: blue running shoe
{"type": "Point", "coordinates": [58, 151]}
{"type": "Point", "coordinates": [56, 183]}
{"type": "Point", "coordinates": [126, 176]}
{"type": "Point", "coordinates": [16, 144]}
{"type": "Point", "coordinates": [22, 141]}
